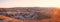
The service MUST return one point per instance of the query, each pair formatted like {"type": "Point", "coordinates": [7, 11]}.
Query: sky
{"type": "Point", "coordinates": [29, 3]}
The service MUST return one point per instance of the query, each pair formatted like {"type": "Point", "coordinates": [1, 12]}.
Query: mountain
{"type": "Point", "coordinates": [29, 13]}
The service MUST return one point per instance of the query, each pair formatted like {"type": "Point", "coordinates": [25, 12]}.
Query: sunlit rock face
{"type": "Point", "coordinates": [34, 13]}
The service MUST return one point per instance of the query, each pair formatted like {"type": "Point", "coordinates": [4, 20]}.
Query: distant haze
{"type": "Point", "coordinates": [29, 3]}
